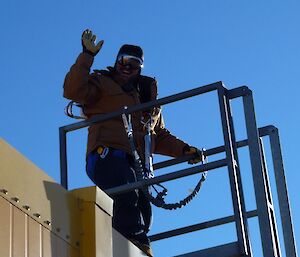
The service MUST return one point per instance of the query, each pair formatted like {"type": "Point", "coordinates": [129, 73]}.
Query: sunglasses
{"type": "Point", "coordinates": [131, 61]}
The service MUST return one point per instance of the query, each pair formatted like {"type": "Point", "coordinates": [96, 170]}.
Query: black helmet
{"type": "Point", "coordinates": [132, 51]}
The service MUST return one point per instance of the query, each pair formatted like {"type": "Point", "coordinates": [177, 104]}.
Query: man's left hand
{"type": "Point", "coordinates": [200, 155]}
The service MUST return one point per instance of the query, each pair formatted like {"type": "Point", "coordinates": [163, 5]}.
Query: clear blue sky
{"type": "Point", "coordinates": [187, 44]}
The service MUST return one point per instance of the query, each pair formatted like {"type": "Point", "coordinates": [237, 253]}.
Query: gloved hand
{"type": "Point", "coordinates": [88, 43]}
{"type": "Point", "coordinates": [193, 150]}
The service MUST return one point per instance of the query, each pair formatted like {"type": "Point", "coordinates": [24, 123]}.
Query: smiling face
{"type": "Point", "coordinates": [127, 68]}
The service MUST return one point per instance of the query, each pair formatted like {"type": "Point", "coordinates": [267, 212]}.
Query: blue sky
{"type": "Point", "coordinates": [187, 44]}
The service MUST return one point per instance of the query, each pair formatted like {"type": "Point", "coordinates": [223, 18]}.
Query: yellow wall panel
{"type": "Point", "coordinates": [49, 248]}
{"type": "Point", "coordinates": [5, 228]}
{"type": "Point", "coordinates": [34, 238]}
{"type": "Point", "coordinates": [18, 233]}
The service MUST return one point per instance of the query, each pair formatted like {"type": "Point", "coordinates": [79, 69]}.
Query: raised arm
{"type": "Point", "coordinates": [79, 84]}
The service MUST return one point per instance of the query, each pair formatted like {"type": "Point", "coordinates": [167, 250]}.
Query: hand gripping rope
{"type": "Point", "coordinates": [147, 172]}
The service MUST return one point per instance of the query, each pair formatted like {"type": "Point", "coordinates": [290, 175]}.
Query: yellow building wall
{"type": "Point", "coordinates": [20, 235]}
{"type": "Point", "coordinates": [39, 218]}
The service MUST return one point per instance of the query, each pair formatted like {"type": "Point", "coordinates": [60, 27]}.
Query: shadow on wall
{"type": "Point", "coordinates": [65, 220]}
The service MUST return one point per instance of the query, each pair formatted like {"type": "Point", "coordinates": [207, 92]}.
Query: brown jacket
{"type": "Point", "coordinates": [100, 94]}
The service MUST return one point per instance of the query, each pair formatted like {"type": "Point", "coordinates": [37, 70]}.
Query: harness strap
{"type": "Point", "coordinates": [141, 174]}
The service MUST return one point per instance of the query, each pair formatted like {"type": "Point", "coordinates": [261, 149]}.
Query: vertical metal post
{"type": "Point", "coordinates": [63, 158]}
{"type": "Point", "coordinates": [263, 211]}
{"type": "Point", "coordinates": [270, 200]}
{"type": "Point", "coordinates": [237, 197]}
{"type": "Point", "coordinates": [282, 192]}
{"type": "Point", "coordinates": [238, 175]}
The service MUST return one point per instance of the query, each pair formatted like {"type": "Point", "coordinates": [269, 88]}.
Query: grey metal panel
{"type": "Point", "coordinates": [282, 192]}
{"type": "Point", "coordinates": [272, 217]}
{"type": "Point", "coordinates": [238, 172]}
{"type": "Point", "coordinates": [236, 193]}
{"type": "Point", "coordinates": [266, 230]}
{"type": "Point", "coordinates": [227, 250]}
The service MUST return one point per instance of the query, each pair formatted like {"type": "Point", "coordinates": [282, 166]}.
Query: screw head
{"type": "Point", "coordinates": [37, 215]}
{"type": "Point", "coordinates": [4, 191]}
{"type": "Point", "coordinates": [26, 207]}
{"type": "Point", "coordinates": [16, 199]}
{"type": "Point", "coordinates": [47, 222]}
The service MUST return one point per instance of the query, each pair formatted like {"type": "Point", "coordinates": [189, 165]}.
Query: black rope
{"type": "Point", "coordinates": [160, 202]}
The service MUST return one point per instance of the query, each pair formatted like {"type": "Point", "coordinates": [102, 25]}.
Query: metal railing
{"type": "Point", "coordinates": [265, 210]}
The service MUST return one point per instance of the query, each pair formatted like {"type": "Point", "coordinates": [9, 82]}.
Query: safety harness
{"type": "Point", "coordinates": [147, 171]}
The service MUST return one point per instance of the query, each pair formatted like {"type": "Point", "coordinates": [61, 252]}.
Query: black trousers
{"type": "Point", "coordinates": [132, 210]}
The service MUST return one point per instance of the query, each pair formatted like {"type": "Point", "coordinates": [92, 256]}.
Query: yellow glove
{"type": "Point", "coordinates": [88, 41]}
{"type": "Point", "coordinates": [200, 155]}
